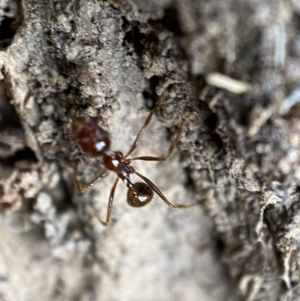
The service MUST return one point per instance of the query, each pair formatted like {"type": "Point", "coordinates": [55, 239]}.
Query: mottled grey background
{"type": "Point", "coordinates": [238, 155]}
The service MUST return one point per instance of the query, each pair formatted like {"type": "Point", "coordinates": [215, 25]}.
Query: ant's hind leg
{"type": "Point", "coordinates": [135, 143]}
{"type": "Point", "coordinates": [171, 147]}
{"type": "Point", "coordinates": [110, 203]}
{"type": "Point", "coordinates": [86, 186]}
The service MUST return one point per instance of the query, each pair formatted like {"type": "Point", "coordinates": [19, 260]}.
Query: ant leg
{"type": "Point", "coordinates": [171, 147]}
{"type": "Point", "coordinates": [135, 143]}
{"type": "Point", "coordinates": [159, 193]}
{"type": "Point", "coordinates": [86, 186]}
{"type": "Point", "coordinates": [110, 203]}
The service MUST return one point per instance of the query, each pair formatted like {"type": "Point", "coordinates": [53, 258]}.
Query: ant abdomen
{"type": "Point", "coordinates": [90, 136]}
{"type": "Point", "coordinates": [139, 195]}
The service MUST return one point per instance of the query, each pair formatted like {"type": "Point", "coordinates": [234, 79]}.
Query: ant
{"type": "Point", "coordinates": [96, 143]}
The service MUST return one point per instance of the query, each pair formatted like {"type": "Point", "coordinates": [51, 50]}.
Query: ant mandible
{"type": "Point", "coordinates": [96, 143]}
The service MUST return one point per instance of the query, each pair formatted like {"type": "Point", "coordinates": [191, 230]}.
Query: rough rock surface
{"type": "Point", "coordinates": [235, 65]}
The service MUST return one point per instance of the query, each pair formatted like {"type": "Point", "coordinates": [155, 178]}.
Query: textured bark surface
{"type": "Point", "coordinates": [238, 154]}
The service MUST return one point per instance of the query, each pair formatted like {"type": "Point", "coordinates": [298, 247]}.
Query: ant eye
{"type": "Point", "coordinates": [140, 195]}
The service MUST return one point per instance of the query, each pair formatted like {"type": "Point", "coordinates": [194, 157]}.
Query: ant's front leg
{"type": "Point", "coordinates": [160, 194]}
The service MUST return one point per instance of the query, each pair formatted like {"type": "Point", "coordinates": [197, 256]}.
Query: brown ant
{"type": "Point", "coordinates": [96, 143]}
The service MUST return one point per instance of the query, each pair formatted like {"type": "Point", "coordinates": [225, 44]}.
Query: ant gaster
{"type": "Point", "coordinates": [96, 143]}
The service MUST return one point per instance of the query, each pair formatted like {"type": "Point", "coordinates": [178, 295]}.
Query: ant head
{"type": "Point", "coordinates": [139, 195]}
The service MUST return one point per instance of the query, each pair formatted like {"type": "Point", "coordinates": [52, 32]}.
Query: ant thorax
{"type": "Point", "coordinates": [115, 161]}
